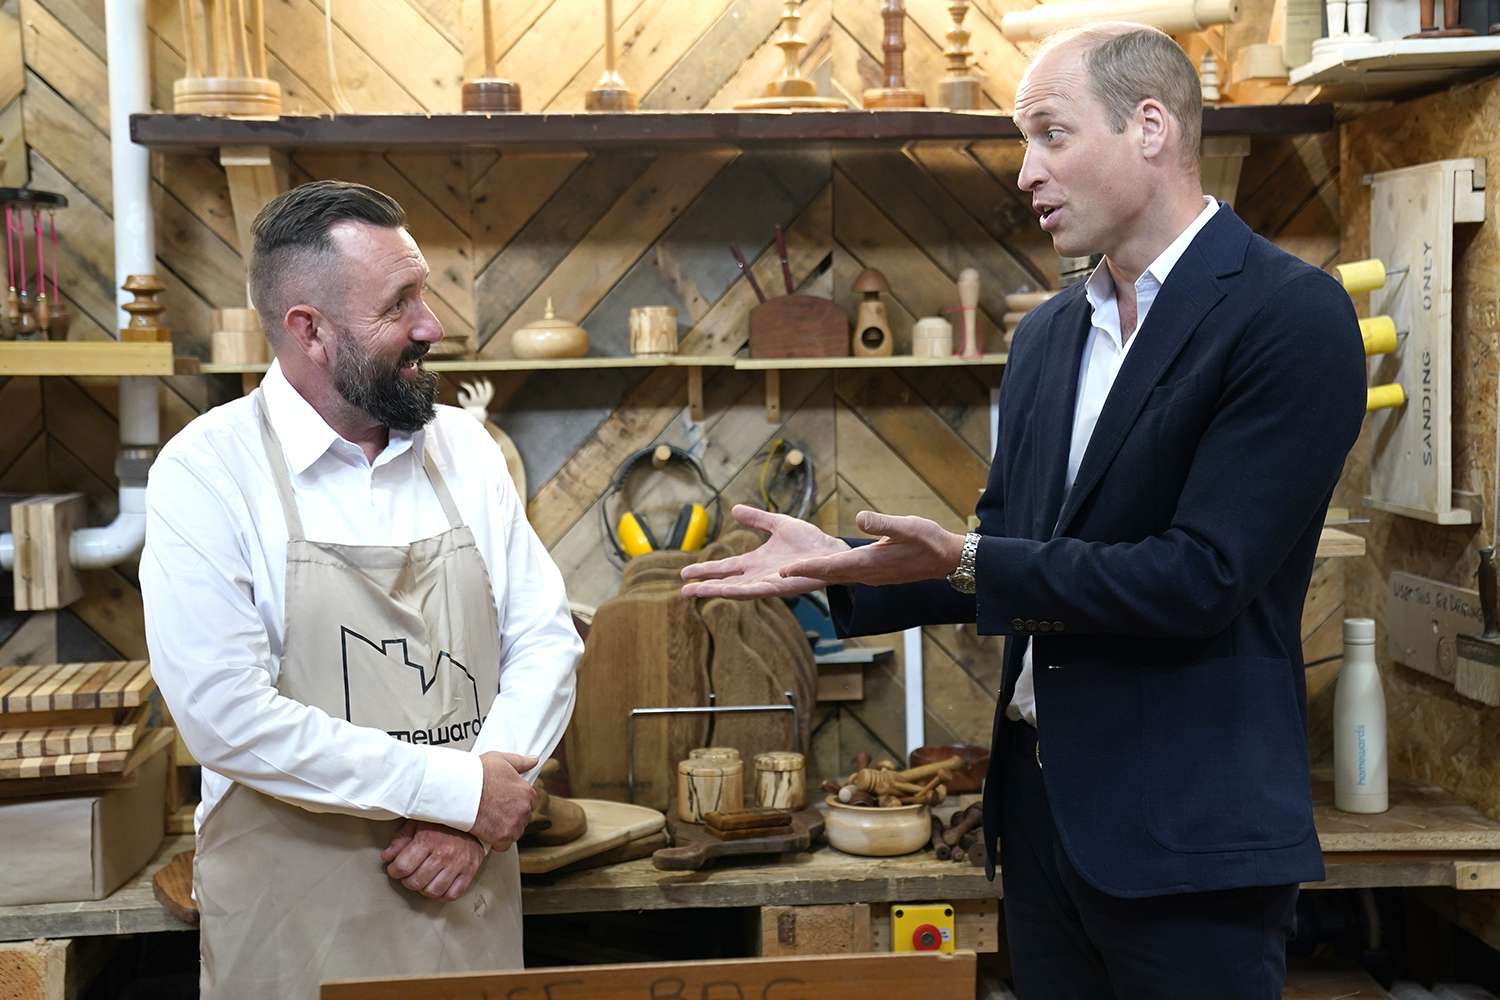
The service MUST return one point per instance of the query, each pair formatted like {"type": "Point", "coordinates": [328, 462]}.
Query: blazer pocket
{"type": "Point", "coordinates": [1171, 392]}
{"type": "Point", "coordinates": [1227, 756]}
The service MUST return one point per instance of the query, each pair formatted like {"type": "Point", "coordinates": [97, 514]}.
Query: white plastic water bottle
{"type": "Point", "coordinates": [1359, 758]}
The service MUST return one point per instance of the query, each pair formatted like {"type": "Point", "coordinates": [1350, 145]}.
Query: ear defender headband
{"type": "Point", "coordinates": [631, 536]}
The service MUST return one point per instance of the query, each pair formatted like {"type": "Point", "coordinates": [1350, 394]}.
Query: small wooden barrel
{"type": "Point", "coordinates": [780, 780]}
{"type": "Point", "coordinates": [705, 786]}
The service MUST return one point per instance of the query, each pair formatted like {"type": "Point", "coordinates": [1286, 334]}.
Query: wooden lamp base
{"type": "Point", "coordinates": [961, 93]}
{"type": "Point", "coordinates": [241, 96]}
{"type": "Point", "coordinates": [791, 94]}
{"type": "Point", "coordinates": [894, 97]}
{"type": "Point", "coordinates": [491, 95]}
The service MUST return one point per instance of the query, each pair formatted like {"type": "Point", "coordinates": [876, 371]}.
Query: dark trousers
{"type": "Point", "coordinates": [1069, 941]}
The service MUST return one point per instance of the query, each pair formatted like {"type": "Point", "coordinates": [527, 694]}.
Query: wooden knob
{"type": "Point", "coordinates": [661, 456]}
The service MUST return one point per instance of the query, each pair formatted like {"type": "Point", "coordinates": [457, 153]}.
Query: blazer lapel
{"type": "Point", "coordinates": [1191, 290]}
{"type": "Point", "coordinates": [1055, 404]}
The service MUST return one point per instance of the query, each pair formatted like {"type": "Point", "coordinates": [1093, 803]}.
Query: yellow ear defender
{"type": "Point", "coordinates": [631, 536]}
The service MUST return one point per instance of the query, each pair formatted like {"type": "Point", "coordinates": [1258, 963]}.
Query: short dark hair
{"type": "Point", "coordinates": [292, 231]}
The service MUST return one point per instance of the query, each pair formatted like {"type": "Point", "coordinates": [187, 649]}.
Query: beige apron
{"type": "Point", "coordinates": [402, 638]}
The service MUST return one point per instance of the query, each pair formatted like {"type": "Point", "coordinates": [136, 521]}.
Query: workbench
{"type": "Point", "coordinates": [1400, 848]}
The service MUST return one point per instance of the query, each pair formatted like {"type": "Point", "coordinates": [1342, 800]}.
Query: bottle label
{"type": "Point", "coordinates": [1360, 756]}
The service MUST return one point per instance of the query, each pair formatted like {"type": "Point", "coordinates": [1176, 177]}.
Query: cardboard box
{"type": "Point", "coordinates": [63, 850]}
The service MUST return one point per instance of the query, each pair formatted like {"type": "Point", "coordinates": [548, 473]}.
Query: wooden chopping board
{"type": "Point", "coordinates": [611, 824]}
{"type": "Point", "coordinates": [696, 847]}
{"type": "Point", "coordinates": [645, 649]}
{"type": "Point", "coordinates": [173, 887]}
{"type": "Point", "coordinates": [739, 675]}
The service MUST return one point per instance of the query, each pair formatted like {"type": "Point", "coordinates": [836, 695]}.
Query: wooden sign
{"type": "Point", "coordinates": [828, 977]}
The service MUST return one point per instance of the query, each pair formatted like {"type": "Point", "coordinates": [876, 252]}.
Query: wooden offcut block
{"type": "Point", "coordinates": [238, 338]}
{"type": "Point", "coordinates": [836, 929]}
{"type": "Point", "coordinates": [34, 970]}
{"type": "Point", "coordinates": [72, 687]}
{"type": "Point", "coordinates": [42, 528]}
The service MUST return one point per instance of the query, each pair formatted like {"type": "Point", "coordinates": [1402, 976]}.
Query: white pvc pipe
{"type": "Point", "coordinates": [129, 93]}
{"type": "Point", "coordinates": [135, 253]}
{"type": "Point", "coordinates": [916, 703]}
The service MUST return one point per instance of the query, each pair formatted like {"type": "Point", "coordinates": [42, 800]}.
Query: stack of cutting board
{"type": "Point", "coordinates": [73, 727]}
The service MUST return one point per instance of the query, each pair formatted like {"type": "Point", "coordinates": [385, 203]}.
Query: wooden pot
{"type": "Point", "coordinates": [781, 780]}
{"type": "Point", "coordinates": [877, 833]}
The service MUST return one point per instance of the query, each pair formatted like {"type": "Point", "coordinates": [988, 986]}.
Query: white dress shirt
{"type": "Point", "coordinates": [213, 577]}
{"type": "Point", "coordinates": [1103, 354]}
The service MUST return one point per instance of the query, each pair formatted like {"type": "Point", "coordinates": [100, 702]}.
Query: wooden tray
{"type": "Point", "coordinates": [52, 741]}
{"type": "Point", "coordinates": [55, 687]}
{"type": "Point", "coordinates": [611, 824]}
{"type": "Point", "coordinates": [696, 847]}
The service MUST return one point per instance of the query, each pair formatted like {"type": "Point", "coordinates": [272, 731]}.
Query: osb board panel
{"type": "Point", "coordinates": [1435, 736]}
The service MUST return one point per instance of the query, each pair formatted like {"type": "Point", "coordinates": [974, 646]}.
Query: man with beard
{"type": "Point", "coordinates": [355, 628]}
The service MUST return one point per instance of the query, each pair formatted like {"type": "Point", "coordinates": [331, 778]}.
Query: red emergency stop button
{"type": "Point", "coordinates": [926, 938]}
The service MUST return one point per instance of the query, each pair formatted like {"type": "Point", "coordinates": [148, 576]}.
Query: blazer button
{"type": "Point", "coordinates": [1044, 626]}
{"type": "Point", "coordinates": [1057, 626]}
{"type": "Point", "coordinates": [1017, 624]}
{"type": "Point", "coordinates": [1031, 624]}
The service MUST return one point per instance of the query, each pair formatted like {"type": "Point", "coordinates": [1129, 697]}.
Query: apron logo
{"type": "Point", "coordinates": [381, 680]}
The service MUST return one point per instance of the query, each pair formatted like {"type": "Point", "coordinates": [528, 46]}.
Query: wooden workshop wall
{"type": "Point", "coordinates": [1436, 735]}
{"type": "Point", "coordinates": [598, 235]}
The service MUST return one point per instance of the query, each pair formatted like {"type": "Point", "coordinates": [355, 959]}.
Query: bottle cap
{"type": "Point", "coordinates": [1360, 631]}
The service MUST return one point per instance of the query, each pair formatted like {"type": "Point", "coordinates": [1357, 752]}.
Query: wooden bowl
{"type": "Point", "coordinates": [877, 833]}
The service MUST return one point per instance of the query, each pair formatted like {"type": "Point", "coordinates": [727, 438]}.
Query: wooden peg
{"type": "Point", "coordinates": [895, 93]}
{"type": "Point", "coordinates": [145, 311]}
{"type": "Point", "coordinates": [968, 301]}
{"type": "Point", "coordinates": [960, 89]}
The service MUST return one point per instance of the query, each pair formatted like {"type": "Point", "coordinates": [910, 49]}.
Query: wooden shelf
{"type": "Point", "coordinates": [1391, 69]}
{"type": "Point", "coordinates": [633, 129]}
{"type": "Point", "coordinates": [85, 357]}
{"type": "Point", "coordinates": [675, 361]}
{"type": "Point", "coordinates": [1334, 543]}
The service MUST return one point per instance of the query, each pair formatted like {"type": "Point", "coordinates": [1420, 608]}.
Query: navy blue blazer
{"type": "Point", "coordinates": [1163, 594]}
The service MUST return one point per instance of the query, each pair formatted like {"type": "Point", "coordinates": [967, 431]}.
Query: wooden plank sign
{"type": "Point", "coordinates": [828, 977]}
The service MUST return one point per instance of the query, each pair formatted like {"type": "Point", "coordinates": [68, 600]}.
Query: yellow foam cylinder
{"type": "Point", "coordinates": [1385, 397]}
{"type": "Point", "coordinates": [1361, 275]}
{"type": "Point", "coordinates": [1379, 334]}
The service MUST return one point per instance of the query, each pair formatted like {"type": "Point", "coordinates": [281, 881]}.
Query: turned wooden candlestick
{"type": "Point", "coordinates": [610, 93]}
{"type": "Point", "coordinates": [490, 93]}
{"type": "Point", "coordinates": [791, 89]}
{"type": "Point", "coordinates": [895, 93]}
{"type": "Point", "coordinates": [145, 311]}
{"type": "Point", "coordinates": [960, 89]}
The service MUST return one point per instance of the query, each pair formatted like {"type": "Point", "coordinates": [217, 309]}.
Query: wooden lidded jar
{"type": "Point", "coordinates": [550, 337]}
{"type": "Point", "coordinates": [709, 784]}
{"type": "Point", "coordinates": [781, 780]}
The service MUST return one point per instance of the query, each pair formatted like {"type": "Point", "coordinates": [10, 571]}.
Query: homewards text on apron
{"type": "Point", "coordinates": [402, 638]}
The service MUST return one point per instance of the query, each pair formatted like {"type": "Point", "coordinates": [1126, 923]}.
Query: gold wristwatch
{"type": "Point", "coordinates": [962, 578]}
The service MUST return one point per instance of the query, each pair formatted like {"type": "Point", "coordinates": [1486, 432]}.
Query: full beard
{"type": "Point", "coordinates": [400, 403]}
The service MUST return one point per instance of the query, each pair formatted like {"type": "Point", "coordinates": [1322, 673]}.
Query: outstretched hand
{"type": "Point", "coordinates": [909, 549]}
{"type": "Point", "coordinates": [759, 572]}
{"type": "Point", "coordinates": [799, 558]}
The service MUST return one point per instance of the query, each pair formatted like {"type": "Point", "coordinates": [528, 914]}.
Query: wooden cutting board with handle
{"type": "Point", "coordinates": [610, 825]}
{"type": "Point", "coordinates": [695, 847]}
